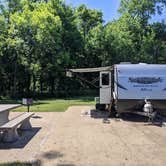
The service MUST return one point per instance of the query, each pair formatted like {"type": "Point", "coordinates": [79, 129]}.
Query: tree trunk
{"type": "Point", "coordinates": [15, 79]}
{"type": "Point", "coordinates": [41, 86]}
{"type": "Point", "coordinates": [52, 86]}
{"type": "Point", "coordinates": [34, 83]}
{"type": "Point", "coordinates": [28, 85]}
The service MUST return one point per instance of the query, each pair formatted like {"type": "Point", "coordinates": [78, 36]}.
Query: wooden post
{"type": "Point", "coordinates": [28, 106]}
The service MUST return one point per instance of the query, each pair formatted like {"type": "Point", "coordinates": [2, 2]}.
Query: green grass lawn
{"type": "Point", "coordinates": [56, 105]}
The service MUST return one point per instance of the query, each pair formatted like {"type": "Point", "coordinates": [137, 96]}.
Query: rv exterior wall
{"type": "Point", "coordinates": [140, 82]}
{"type": "Point", "coordinates": [136, 82]}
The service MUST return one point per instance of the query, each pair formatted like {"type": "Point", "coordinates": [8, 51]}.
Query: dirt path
{"type": "Point", "coordinates": [81, 141]}
{"type": "Point", "coordinates": [68, 139]}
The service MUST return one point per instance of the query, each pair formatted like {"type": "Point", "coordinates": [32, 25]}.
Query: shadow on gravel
{"type": "Point", "coordinates": [52, 155]}
{"type": "Point", "coordinates": [37, 117]}
{"type": "Point", "coordinates": [133, 117]}
{"type": "Point", "coordinates": [158, 121]}
{"type": "Point", "coordinates": [99, 114]}
{"type": "Point", "coordinates": [25, 137]}
{"type": "Point", "coordinates": [65, 165]}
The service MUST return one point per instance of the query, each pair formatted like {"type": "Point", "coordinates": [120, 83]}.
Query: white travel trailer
{"type": "Point", "coordinates": [136, 88]}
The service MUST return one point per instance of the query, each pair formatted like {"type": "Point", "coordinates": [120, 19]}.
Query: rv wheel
{"type": "Point", "coordinates": [100, 106]}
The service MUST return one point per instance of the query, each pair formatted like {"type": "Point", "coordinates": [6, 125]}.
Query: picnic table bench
{"type": "Point", "coordinates": [10, 128]}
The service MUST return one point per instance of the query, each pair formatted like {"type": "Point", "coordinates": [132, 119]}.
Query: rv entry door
{"type": "Point", "coordinates": [105, 87]}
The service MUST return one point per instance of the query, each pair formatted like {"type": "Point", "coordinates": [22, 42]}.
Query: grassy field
{"type": "Point", "coordinates": [56, 105]}
{"type": "Point", "coordinates": [16, 164]}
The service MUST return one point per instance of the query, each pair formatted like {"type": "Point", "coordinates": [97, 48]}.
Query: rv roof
{"type": "Point", "coordinates": [140, 69]}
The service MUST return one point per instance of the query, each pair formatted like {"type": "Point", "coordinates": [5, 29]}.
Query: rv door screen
{"type": "Point", "coordinates": [105, 87]}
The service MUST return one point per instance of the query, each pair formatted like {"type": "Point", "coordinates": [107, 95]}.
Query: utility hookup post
{"type": "Point", "coordinates": [28, 107]}
{"type": "Point", "coordinates": [27, 102]}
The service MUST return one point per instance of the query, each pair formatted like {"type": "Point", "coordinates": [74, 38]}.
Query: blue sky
{"type": "Point", "coordinates": [109, 8]}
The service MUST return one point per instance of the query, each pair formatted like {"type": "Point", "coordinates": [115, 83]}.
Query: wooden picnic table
{"type": "Point", "coordinates": [4, 112]}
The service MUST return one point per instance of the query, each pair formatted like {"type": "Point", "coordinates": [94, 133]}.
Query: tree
{"type": "Point", "coordinates": [87, 19]}
{"type": "Point", "coordinates": [40, 39]}
{"type": "Point", "coordinates": [158, 46]}
{"type": "Point", "coordinates": [143, 36]}
{"type": "Point", "coordinates": [144, 9]}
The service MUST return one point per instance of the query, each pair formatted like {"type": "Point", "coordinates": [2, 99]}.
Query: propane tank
{"type": "Point", "coordinates": [148, 108]}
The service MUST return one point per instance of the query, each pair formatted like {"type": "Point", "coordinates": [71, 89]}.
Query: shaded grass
{"type": "Point", "coordinates": [10, 101]}
{"type": "Point", "coordinates": [16, 164]}
{"type": "Point", "coordinates": [56, 105]}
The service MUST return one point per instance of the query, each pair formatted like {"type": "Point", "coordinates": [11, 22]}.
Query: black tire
{"type": "Point", "coordinates": [100, 107]}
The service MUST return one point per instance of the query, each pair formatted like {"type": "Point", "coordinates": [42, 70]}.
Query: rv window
{"type": "Point", "coordinates": [105, 79]}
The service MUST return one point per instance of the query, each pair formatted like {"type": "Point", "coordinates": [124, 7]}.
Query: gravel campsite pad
{"type": "Point", "coordinates": [69, 139]}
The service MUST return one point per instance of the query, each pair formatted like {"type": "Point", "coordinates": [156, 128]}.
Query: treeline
{"type": "Point", "coordinates": [40, 39]}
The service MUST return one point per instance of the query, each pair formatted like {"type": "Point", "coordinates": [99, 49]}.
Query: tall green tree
{"type": "Point", "coordinates": [87, 19]}
{"type": "Point", "coordinates": [40, 39]}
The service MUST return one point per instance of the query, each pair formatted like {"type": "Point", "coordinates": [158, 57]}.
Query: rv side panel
{"type": "Point", "coordinates": [141, 82]}
{"type": "Point", "coordinates": [136, 82]}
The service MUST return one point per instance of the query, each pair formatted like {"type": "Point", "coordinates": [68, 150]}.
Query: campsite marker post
{"type": "Point", "coordinates": [27, 102]}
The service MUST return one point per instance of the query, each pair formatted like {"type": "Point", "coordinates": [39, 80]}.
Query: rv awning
{"type": "Point", "coordinates": [89, 70]}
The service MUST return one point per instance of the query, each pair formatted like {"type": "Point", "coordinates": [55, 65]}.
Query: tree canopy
{"type": "Point", "coordinates": [40, 39]}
